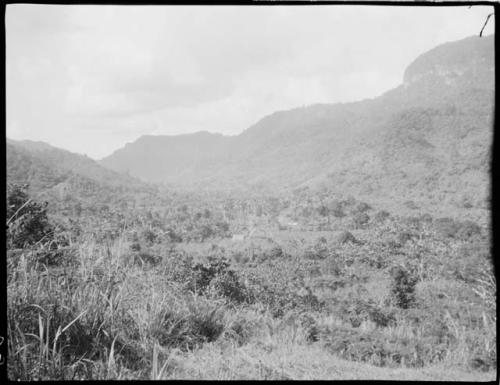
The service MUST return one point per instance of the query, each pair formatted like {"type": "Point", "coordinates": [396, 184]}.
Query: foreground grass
{"type": "Point", "coordinates": [298, 362]}
{"type": "Point", "coordinates": [104, 312]}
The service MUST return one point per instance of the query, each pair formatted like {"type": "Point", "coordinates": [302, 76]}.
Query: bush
{"type": "Point", "coordinates": [357, 310]}
{"type": "Point", "coordinates": [188, 327]}
{"type": "Point", "coordinates": [403, 287]}
{"type": "Point", "coordinates": [346, 236]}
{"type": "Point", "coordinates": [281, 294]}
{"type": "Point", "coordinates": [404, 237]}
{"type": "Point", "coordinates": [215, 277]}
{"type": "Point", "coordinates": [377, 349]}
{"type": "Point", "coordinates": [360, 219]}
{"type": "Point", "coordinates": [228, 285]}
{"type": "Point", "coordinates": [381, 215]}
{"type": "Point", "coordinates": [173, 236]}
{"type": "Point", "coordinates": [145, 257]}
{"type": "Point", "coordinates": [336, 209]}
{"type": "Point", "coordinates": [241, 330]}
{"type": "Point", "coordinates": [149, 236]}
{"type": "Point", "coordinates": [362, 207]}
{"type": "Point", "coordinates": [27, 221]}
{"type": "Point", "coordinates": [222, 228]}
{"type": "Point", "coordinates": [450, 228]}
{"type": "Point", "coordinates": [61, 257]}
{"type": "Point", "coordinates": [275, 252]}
{"type": "Point", "coordinates": [468, 229]}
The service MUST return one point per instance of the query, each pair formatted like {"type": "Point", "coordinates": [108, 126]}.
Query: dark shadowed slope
{"type": "Point", "coordinates": [50, 170]}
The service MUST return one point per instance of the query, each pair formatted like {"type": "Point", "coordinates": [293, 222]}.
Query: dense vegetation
{"type": "Point", "coordinates": [143, 292]}
{"type": "Point", "coordinates": [359, 250]}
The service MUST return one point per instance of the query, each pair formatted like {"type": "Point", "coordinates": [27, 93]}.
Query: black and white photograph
{"type": "Point", "coordinates": [265, 191]}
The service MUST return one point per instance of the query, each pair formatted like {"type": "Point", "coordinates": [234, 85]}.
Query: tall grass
{"type": "Point", "coordinates": [102, 315]}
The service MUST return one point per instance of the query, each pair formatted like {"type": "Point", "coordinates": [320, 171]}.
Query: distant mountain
{"type": "Point", "coordinates": [159, 158]}
{"type": "Point", "coordinates": [427, 140]}
{"type": "Point", "coordinates": [60, 174]}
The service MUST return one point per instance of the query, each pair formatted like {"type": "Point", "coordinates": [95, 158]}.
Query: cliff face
{"type": "Point", "coordinates": [472, 59]}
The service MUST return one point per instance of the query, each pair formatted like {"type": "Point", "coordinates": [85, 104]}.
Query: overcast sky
{"type": "Point", "coordinates": [92, 78]}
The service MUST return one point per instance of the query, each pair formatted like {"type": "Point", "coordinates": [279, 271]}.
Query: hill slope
{"type": "Point", "coordinates": [431, 135]}
{"type": "Point", "coordinates": [58, 175]}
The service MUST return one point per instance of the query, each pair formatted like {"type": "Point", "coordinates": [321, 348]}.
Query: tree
{"type": "Point", "coordinates": [27, 222]}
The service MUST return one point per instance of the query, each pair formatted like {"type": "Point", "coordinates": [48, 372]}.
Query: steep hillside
{"type": "Point", "coordinates": [65, 162]}
{"type": "Point", "coordinates": [62, 177]}
{"type": "Point", "coordinates": [426, 140]}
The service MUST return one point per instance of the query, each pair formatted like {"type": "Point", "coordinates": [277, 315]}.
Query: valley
{"type": "Point", "coordinates": [344, 241]}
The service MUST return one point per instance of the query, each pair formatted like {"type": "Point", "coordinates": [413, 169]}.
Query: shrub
{"type": "Point", "coordinates": [484, 362]}
{"type": "Point", "coordinates": [362, 207]}
{"type": "Point", "coordinates": [188, 327]}
{"type": "Point", "coordinates": [173, 236]}
{"type": "Point", "coordinates": [27, 221]}
{"type": "Point", "coordinates": [450, 228]}
{"type": "Point", "coordinates": [404, 237]}
{"type": "Point", "coordinates": [61, 257]}
{"type": "Point", "coordinates": [241, 330]}
{"type": "Point", "coordinates": [146, 257]}
{"type": "Point", "coordinates": [318, 251]}
{"type": "Point", "coordinates": [346, 236]}
{"type": "Point", "coordinates": [357, 310]}
{"type": "Point", "coordinates": [149, 236]}
{"type": "Point", "coordinates": [403, 287]}
{"type": "Point", "coordinates": [381, 215]}
{"type": "Point", "coordinates": [281, 295]}
{"type": "Point", "coordinates": [215, 277]}
{"type": "Point", "coordinates": [275, 252]}
{"type": "Point", "coordinates": [360, 219]}
{"type": "Point", "coordinates": [222, 227]}
{"type": "Point", "coordinates": [377, 349]}
{"type": "Point", "coordinates": [336, 209]}
{"type": "Point", "coordinates": [228, 285]}
{"type": "Point", "coordinates": [468, 229]}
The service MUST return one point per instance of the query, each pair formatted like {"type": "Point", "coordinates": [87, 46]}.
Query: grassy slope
{"type": "Point", "coordinates": [295, 361]}
{"type": "Point", "coordinates": [276, 349]}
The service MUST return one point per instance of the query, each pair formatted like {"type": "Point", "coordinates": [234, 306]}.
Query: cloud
{"type": "Point", "coordinates": [90, 78]}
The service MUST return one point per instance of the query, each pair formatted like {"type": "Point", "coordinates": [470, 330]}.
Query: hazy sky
{"type": "Point", "coordinates": [92, 78]}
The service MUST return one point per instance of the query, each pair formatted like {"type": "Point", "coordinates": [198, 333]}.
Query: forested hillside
{"type": "Point", "coordinates": [428, 138]}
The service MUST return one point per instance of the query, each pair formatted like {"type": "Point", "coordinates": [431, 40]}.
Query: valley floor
{"type": "Point", "coordinates": [365, 295]}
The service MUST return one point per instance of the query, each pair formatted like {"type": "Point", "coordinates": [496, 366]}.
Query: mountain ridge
{"type": "Point", "coordinates": [401, 138]}
{"type": "Point", "coordinates": [427, 140]}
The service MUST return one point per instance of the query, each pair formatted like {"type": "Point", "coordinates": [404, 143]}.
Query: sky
{"type": "Point", "coordinates": [91, 78]}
